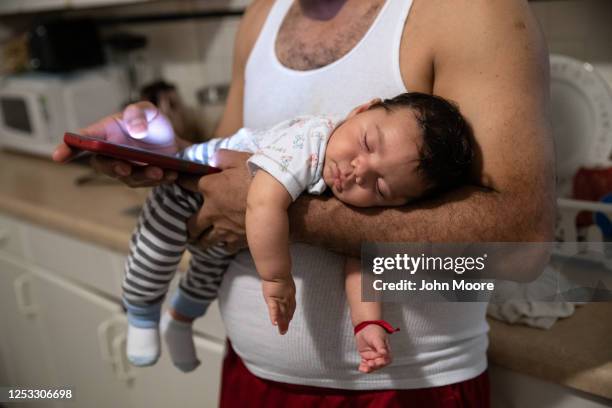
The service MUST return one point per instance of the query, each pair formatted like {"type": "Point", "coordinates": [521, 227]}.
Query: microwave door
{"type": "Point", "coordinates": [23, 119]}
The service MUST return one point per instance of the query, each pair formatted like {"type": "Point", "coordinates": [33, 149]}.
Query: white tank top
{"type": "Point", "coordinates": [439, 343]}
{"type": "Point", "coordinates": [274, 92]}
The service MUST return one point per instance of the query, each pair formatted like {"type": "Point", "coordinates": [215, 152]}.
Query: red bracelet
{"type": "Point", "coordinates": [382, 323]}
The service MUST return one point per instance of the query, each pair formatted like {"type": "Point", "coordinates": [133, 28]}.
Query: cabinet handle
{"type": "Point", "coordinates": [106, 330]}
{"type": "Point", "coordinates": [122, 371]}
{"type": "Point", "coordinates": [104, 340]}
{"type": "Point", "coordinates": [23, 296]}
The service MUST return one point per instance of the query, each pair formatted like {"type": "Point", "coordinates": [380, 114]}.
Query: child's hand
{"type": "Point", "coordinates": [373, 346]}
{"type": "Point", "coordinates": [280, 299]}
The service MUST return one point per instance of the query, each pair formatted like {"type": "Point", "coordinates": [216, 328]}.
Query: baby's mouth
{"type": "Point", "coordinates": [338, 185]}
{"type": "Point", "coordinates": [337, 178]}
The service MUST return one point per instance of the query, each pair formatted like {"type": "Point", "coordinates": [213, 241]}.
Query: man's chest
{"type": "Point", "coordinates": [304, 43]}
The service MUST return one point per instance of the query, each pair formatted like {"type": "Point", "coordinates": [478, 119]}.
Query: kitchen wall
{"type": "Point", "coordinates": [194, 54]}
{"type": "Point", "coordinates": [197, 53]}
{"type": "Point", "coordinates": [579, 28]}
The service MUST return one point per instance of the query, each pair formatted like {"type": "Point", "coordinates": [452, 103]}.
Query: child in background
{"type": "Point", "coordinates": [384, 153]}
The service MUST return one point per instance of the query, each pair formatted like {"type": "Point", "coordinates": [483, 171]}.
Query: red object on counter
{"type": "Point", "coordinates": [591, 184]}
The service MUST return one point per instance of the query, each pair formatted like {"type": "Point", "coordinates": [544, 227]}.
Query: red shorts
{"type": "Point", "coordinates": [241, 389]}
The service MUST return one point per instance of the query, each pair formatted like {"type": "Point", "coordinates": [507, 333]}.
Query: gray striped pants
{"type": "Point", "coordinates": [156, 248]}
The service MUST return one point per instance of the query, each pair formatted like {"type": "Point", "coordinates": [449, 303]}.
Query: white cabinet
{"type": "Point", "coordinates": [81, 262]}
{"type": "Point", "coordinates": [73, 322]}
{"type": "Point", "coordinates": [11, 237]}
{"type": "Point", "coordinates": [24, 355]}
{"type": "Point", "coordinates": [163, 385]}
{"type": "Point", "coordinates": [62, 324]}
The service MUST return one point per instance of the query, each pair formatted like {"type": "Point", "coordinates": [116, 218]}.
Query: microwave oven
{"type": "Point", "coordinates": [37, 108]}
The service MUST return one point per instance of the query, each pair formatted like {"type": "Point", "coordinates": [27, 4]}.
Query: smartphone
{"type": "Point", "coordinates": [134, 154]}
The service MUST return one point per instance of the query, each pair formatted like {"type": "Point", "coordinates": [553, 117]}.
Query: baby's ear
{"type": "Point", "coordinates": [363, 107]}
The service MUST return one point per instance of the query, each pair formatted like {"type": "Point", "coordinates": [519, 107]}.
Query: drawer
{"type": "Point", "coordinates": [11, 236]}
{"type": "Point", "coordinates": [82, 262]}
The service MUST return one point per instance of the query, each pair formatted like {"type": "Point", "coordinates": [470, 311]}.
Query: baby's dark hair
{"type": "Point", "coordinates": [446, 154]}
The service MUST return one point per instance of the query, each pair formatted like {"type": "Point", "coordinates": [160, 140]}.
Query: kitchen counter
{"type": "Point", "coordinates": [576, 352]}
{"type": "Point", "coordinates": [46, 193]}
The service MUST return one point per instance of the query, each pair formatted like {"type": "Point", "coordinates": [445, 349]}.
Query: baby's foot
{"type": "Point", "coordinates": [179, 339]}
{"type": "Point", "coordinates": [373, 346]}
{"type": "Point", "coordinates": [142, 345]}
{"type": "Point", "coordinates": [280, 299]}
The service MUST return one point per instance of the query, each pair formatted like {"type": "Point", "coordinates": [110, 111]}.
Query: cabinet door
{"type": "Point", "coordinates": [23, 351]}
{"type": "Point", "coordinates": [78, 330]}
{"type": "Point", "coordinates": [163, 385]}
{"type": "Point", "coordinates": [11, 236]}
{"type": "Point", "coordinates": [80, 261]}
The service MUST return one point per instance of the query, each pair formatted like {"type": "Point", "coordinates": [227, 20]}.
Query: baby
{"type": "Point", "coordinates": [384, 153]}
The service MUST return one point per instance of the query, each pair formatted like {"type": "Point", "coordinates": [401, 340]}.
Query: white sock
{"type": "Point", "coordinates": [142, 345]}
{"type": "Point", "coordinates": [179, 339]}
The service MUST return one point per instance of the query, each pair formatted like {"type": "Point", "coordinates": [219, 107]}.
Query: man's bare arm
{"type": "Point", "coordinates": [490, 59]}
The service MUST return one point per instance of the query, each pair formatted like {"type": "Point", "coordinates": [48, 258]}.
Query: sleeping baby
{"type": "Point", "coordinates": [384, 153]}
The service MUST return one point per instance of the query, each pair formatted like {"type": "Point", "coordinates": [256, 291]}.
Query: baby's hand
{"type": "Point", "coordinates": [280, 299]}
{"type": "Point", "coordinates": [373, 346]}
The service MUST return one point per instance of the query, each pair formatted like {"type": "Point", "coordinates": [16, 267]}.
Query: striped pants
{"type": "Point", "coordinates": [156, 248]}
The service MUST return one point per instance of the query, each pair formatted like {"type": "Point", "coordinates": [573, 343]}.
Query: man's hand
{"type": "Point", "coordinates": [221, 218]}
{"type": "Point", "coordinates": [135, 119]}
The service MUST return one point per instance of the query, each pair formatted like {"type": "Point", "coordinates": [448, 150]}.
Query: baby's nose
{"type": "Point", "coordinates": [362, 171]}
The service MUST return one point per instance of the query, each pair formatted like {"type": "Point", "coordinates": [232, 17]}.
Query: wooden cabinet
{"type": "Point", "coordinates": [63, 325]}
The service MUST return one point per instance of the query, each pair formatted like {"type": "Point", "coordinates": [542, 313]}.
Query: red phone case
{"type": "Point", "coordinates": [135, 154]}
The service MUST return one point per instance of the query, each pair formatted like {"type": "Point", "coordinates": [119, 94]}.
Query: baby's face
{"type": "Point", "coordinates": [371, 159]}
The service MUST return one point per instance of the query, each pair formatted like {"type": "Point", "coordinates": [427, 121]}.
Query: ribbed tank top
{"type": "Point", "coordinates": [274, 92]}
{"type": "Point", "coordinates": [440, 343]}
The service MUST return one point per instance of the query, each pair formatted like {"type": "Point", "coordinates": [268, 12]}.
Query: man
{"type": "Point", "coordinates": [322, 56]}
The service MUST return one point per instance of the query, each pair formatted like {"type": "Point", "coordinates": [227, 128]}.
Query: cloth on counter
{"type": "Point", "coordinates": [534, 304]}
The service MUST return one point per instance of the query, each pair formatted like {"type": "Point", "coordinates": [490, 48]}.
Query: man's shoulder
{"type": "Point", "coordinates": [445, 27]}
{"type": "Point", "coordinates": [257, 12]}
{"type": "Point", "coordinates": [452, 17]}
{"type": "Point", "coordinates": [452, 10]}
